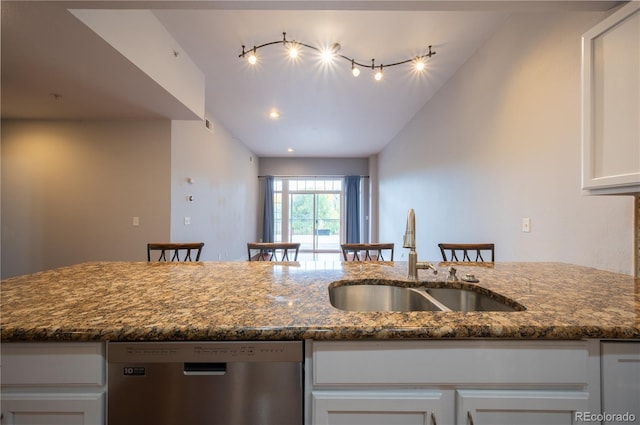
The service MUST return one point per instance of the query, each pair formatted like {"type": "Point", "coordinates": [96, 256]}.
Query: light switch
{"type": "Point", "coordinates": [187, 221]}
{"type": "Point", "coordinates": [136, 221]}
{"type": "Point", "coordinates": [526, 225]}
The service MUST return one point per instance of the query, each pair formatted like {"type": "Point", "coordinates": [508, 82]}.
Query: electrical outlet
{"type": "Point", "coordinates": [187, 221]}
{"type": "Point", "coordinates": [526, 225]}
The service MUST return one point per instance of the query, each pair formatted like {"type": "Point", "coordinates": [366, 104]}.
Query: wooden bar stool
{"type": "Point", "coordinates": [178, 249]}
{"type": "Point", "coordinates": [463, 249]}
{"type": "Point", "coordinates": [268, 251]}
{"type": "Point", "coordinates": [368, 251]}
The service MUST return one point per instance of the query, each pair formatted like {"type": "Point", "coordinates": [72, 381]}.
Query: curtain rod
{"type": "Point", "coordinates": [314, 177]}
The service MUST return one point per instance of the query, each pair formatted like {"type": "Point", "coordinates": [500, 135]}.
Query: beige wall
{"type": "Point", "coordinates": [70, 190]}
{"type": "Point", "coordinates": [499, 142]}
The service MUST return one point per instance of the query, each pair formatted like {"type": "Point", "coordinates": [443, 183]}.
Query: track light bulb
{"type": "Point", "coordinates": [328, 53]}
{"type": "Point", "coordinates": [252, 59]}
{"type": "Point", "coordinates": [378, 74]}
{"type": "Point", "coordinates": [327, 56]}
{"type": "Point", "coordinates": [420, 65]}
{"type": "Point", "coordinates": [355, 71]}
{"type": "Point", "coordinates": [293, 51]}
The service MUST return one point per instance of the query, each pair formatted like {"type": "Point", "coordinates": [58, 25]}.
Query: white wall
{"type": "Point", "coordinates": [314, 166]}
{"type": "Point", "coordinates": [499, 142]}
{"type": "Point", "coordinates": [142, 39]}
{"type": "Point", "coordinates": [70, 190]}
{"type": "Point", "coordinates": [225, 190]}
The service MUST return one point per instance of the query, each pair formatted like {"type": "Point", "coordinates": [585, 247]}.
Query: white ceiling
{"type": "Point", "coordinates": [325, 111]}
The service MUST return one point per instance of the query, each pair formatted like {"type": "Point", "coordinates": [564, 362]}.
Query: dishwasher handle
{"type": "Point", "coordinates": [207, 369]}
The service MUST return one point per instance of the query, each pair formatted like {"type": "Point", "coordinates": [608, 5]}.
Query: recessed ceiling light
{"type": "Point", "coordinates": [289, 149]}
{"type": "Point", "coordinates": [274, 115]}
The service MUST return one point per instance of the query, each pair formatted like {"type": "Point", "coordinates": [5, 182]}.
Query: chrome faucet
{"type": "Point", "coordinates": [410, 242]}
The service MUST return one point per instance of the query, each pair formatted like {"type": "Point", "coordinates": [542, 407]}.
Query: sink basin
{"type": "Point", "coordinates": [392, 296]}
{"type": "Point", "coordinates": [380, 298]}
{"type": "Point", "coordinates": [460, 299]}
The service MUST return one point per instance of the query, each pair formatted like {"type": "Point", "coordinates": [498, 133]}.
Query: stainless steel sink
{"type": "Point", "coordinates": [459, 299]}
{"type": "Point", "coordinates": [380, 298]}
{"type": "Point", "coordinates": [392, 296]}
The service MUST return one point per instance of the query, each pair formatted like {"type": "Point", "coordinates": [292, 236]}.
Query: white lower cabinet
{"type": "Point", "coordinates": [53, 384]}
{"type": "Point", "coordinates": [428, 382]}
{"type": "Point", "coordinates": [475, 382]}
{"type": "Point", "coordinates": [620, 382]}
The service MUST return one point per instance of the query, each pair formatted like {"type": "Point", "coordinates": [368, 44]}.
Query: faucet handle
{"type": "Point", "coordinates": [409, 240]}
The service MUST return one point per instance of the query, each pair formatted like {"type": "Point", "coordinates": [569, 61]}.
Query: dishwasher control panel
{"type": "Point", "coordinates": [262, 351]}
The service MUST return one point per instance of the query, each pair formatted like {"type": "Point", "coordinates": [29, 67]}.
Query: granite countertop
{"type": "Point", "coordinates": [135, 301]}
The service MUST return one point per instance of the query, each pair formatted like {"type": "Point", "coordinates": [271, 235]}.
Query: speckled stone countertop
{"type": "Point", "coordinates": [130, 301]}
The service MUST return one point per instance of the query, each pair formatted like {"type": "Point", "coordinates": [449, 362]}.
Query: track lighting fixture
{"type": "Point", "coordinates": [329, 54]}
{"type": "Point", "coordinates": [354, 69]}
{"type": "Point", "coordinates": [293, 50]}
{"type": "Point", "coordinates": [252, 57]}
{"type": "Point", "coordinates": [378, 74]}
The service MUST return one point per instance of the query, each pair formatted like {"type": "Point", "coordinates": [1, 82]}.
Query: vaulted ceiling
{"type": "Point", "coordinates": [56, 67]}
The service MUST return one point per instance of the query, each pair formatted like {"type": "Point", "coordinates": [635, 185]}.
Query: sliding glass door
{"type": "Point", "coordinates": [310, 213]}
{"type": "Point", "coordinates": [314, 221]}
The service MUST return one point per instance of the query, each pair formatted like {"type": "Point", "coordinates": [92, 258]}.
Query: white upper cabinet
{"type": "Point", "coordinates": [611, 103]}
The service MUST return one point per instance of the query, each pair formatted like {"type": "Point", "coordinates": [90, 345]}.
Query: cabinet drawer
{"type": "Point", "coordinates": [449, 362]}
{"type": "Point", "coordinates": [381, 407]}
{"type": "Point", "coordinates": [486, 407]}
{"type": "Point", "coordinates": [44, 364]}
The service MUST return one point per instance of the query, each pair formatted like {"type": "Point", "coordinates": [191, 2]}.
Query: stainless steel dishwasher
{"type": "Point", "coordinates": [193, 383]}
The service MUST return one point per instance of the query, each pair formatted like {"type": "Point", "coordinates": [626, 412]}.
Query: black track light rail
{"type": "Point", "coordinates": [353, 62]}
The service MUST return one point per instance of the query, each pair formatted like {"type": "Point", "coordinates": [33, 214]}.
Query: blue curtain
{"type": "Point", "coordinates": [267, 211]}
{"type": "Point", "coordinates": [352, 195]}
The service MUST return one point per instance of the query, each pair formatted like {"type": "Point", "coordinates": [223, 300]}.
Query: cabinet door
{"type": "Point", "coordinates": [52, 409]}
{"type": "Point", "coordinates": [611, 103]}
{"type": "Point", "coordinates": [522, 407]}
{"type": "Point", "coordinates": [398, 407]}
{"type": "Point", "coordinates": [620, 380]}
